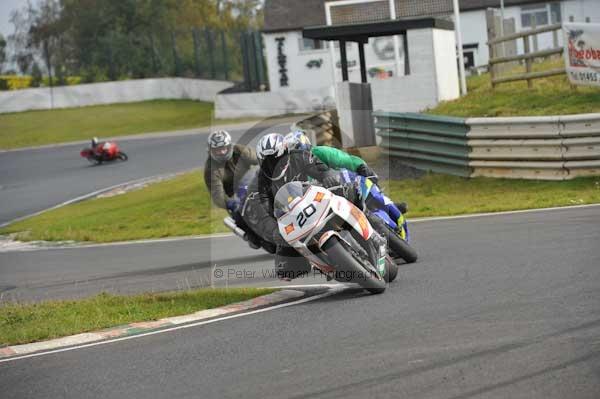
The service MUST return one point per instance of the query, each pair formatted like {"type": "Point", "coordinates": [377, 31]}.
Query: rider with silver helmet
{"type": "Point", "coordinates": [226, 164]}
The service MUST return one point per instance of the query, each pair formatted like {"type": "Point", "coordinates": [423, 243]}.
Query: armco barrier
{"type": "Point", "coordinates": [517, 147]}
{"type": "Point", "coordinates": [546, 148]}
{"type": "Point", "coordinates": [581, 144]}
{"type": "Point", "coordinates": [425, 142]}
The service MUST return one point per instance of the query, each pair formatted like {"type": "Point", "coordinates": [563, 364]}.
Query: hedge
{"type": "Point", "coordinates": [17, 82]}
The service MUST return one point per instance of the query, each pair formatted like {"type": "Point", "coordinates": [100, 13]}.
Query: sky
{"type": "Point", "coordinates": [6, 7]}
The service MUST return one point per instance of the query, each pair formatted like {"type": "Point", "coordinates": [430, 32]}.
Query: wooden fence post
{"type": "Point", "coordinates": [535, 38]}
{"type": "Point", "coordinates": [527, 60]}
{"type": "Point", "coordinates": [491, 31]}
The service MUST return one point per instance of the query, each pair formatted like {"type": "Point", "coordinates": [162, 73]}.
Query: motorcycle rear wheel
{"type": "Point", "coordinates": [348, 266]}
{"type": "Point", "coordinates": [392, 270]}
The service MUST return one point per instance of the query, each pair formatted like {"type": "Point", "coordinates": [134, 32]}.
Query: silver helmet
{"type": "Point", "coordinates": [270, 151]}
{"type": "Point", "coordinates": [219, 146]}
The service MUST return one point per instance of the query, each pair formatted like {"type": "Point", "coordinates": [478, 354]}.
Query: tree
{"type": "Point", "coordinates": [2, 52]}
{"type": "Point", "coordinates": [116, 39]}
{"type": "Point", "coordinates": [22, 53]}
{"type": "Point", "coordinates": [36, 75]}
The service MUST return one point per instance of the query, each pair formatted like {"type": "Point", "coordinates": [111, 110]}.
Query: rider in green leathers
{"type": "Point", "coordinates": [338, 159]}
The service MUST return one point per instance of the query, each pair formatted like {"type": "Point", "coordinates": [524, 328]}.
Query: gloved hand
{"type": "Point", "coordinates": [331, 180]}
{"type": "Point", "coordinates": [365, 171]}
{"type": "Point", "coordinates": [232, 204]}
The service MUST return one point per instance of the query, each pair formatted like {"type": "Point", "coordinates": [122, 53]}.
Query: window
{"type": "Point", "coordinates": [310, 44]}
{"type": "Point", "coordinates": [555, 15]}
{"type": "Point", "coordinates": [540, 14]}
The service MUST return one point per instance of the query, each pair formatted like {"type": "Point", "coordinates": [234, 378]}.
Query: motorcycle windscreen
{"type": "Point", "coordinates": [286, 197]}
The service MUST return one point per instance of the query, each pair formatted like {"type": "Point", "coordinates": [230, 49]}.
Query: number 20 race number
{"type": "Point", "coordinates": [305, 215]}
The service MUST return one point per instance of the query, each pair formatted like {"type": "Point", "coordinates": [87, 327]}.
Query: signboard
{"type": "Point", "coordinates": [582, 53]}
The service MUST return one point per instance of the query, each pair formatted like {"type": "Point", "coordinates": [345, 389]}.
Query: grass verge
{"type": "Point", "coordinates": [33, 128]}
{"type": "Point", "coordinates": [182, 206]}
{"type": "Point", "coordinates": [177, 207]}
{"type": "Point", "coordinates": [441, 195]}
{"type": "Point", "coordinates": [24, 323]}
{"type": "Point", "coordinates": [549, 96]}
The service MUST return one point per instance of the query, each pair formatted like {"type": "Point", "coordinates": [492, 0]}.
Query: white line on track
{"type": "Point", "coordinates": [476, 215]}
{"type": "Point", "coordinates": [334, 289]}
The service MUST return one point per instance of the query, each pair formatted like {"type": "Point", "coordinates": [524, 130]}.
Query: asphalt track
{"type": "Point", "coordinates": [503, 306]}
{"type": "Point", "coordinates": [36, 179]}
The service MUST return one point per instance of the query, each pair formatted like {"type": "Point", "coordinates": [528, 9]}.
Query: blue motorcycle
{"type": "Point", "coordinates": [385, 217]}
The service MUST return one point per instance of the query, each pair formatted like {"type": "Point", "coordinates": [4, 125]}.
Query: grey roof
{"type": "Point", "coordinates": [479, 4]}
{"type": "Point", "coordinates": [284, 15]}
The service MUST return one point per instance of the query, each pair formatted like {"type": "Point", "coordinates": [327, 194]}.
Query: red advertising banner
{"type": "Point", "coordinates": [582, 53]}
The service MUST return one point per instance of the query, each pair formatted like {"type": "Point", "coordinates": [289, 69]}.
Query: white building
{"type": "Point", "coordinates": [299, 64]}
{"type": "Point", "coordinates": [303, 74]}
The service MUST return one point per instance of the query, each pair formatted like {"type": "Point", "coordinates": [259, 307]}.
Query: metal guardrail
{"type": "Point", "coordinates": [551, 148]}
{"type": "Point", "coordinates": [425, 142]}
{"type": "Point", "coordinates": [581, 142]}
{"type": "Point", "coordinates": [548, 148]}
{"type": "Point", "coordinates": [524, 147]}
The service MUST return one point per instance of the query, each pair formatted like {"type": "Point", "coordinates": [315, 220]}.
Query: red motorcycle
{"type": "Point", "coordinates": [103, 152]}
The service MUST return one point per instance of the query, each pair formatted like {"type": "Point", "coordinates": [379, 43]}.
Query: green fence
{"type": "Point", "coordinates": [426, 142]}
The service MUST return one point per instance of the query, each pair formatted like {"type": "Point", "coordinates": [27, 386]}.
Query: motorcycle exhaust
{"type": "Point", "coordinates": [230, 223]}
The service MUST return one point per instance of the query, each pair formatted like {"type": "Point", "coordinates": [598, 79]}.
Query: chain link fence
{"type": "Point", "coordinates": [202, 53]}
{"type": "Point", "coordinates": [197, 53]}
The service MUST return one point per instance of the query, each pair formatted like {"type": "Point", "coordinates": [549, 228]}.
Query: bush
{"type": "Point", "coordinates": [16, 82]}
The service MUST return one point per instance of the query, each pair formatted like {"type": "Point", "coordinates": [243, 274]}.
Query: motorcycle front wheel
{"type": "Point", "coordinates": [349, 269]}
{"type": "Point", "coordinates": [122, 156]}
{"type": "Point", "coordinates": [398, 246]}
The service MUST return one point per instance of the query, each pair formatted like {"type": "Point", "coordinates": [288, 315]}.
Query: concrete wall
{"type": "Point", "coordinates": [431, 79]}
{"type": "Point", "coordinates": [111, 92]}
{"type": "Point", "coordinates": [446, 68]}
{"type": "Point", "coordinates": [580, 10]}
{"type": "Point", "coordinates": [300, 76]}
{"type": "Point", "coordinates": [264, 104]}
{"type": "Point", "coordinates": [474, 31]}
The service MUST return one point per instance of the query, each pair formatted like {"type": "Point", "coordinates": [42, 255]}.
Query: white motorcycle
{"type": "Point", "coordinates": [333, 235]}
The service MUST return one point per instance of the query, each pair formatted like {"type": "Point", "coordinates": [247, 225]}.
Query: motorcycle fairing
{"type": "Point", "coordinates": [298, 223]}
{"type": "Point", "coordinates": [352, 215]}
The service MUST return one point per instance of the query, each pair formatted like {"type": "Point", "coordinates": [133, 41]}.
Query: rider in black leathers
{"type": "Point", "coordinates": [279, 166]}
